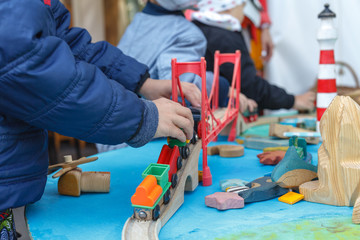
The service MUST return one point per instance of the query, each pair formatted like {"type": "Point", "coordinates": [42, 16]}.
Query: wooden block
{"type": "Point", "coordinates": [302, 121]}
{"type": "Point", "coordinates": [262, 189]}
{"type": "Point", "coordinates": [261, 143]}
{"type": "Point", "coordinates": [356, 212]}
{"type": "Point", "coordinates": [69, 183]}
{"type": "Point", "coordinates": [200, 174]}
{"type": "Point", "coordinates": [95, 182]}
{"type": "Point", "coordinates": [291, 198]}
{"type": "Point", "coordinates": [338, 156]}
{"type": "Point", "coordinates": [70, 164]}
{"type": "Point", "coordinates": [278, 130]}
{"type": "Point", "coordinates": [293, 171]}
{"type": "Point", "coordinates": [242, 126]}
{"type": "Point", "coordinates": [226, 150]}
{"type": "Point", "coordinates": [224, 200]}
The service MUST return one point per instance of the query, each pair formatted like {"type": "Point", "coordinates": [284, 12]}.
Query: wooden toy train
{"type": "Point", "coordinates": [159, 180]}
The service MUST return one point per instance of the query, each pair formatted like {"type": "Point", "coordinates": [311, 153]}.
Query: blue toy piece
{"type": "Point", "coordinates": [300, 143]}
{"type": "Point", "coordinates": [262, 189]}
{"type": "Point", "coordinates": [301, 148]}
{"type": "Point", "coordinates": [224, 184]}
{"type": "Point", "coordinates": [261, 143]}
{"type": "Point", "coordinates": [292, 170]}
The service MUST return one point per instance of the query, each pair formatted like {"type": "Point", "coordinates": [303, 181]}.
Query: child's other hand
{"type": "Point", "coordinates": [154, 89]}
{"type": "Point", "coordinates": [247, 103]}
{"type": "Point", "coordinates": [252, 105]}
{"type": "Point", "coordinates": [174, 120]}
{"type": "Point", "coordinates": [305, 101]}
{"type": "Point", "coordinates": [267, 45]}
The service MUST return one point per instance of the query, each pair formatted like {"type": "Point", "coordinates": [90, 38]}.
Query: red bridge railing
{"type": "Point", "coordinates": [210, 125]}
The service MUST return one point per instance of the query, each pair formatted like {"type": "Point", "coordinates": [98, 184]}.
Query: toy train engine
{"type": "Point", "coordinates": [152, 192]}
{"type": "Point", "coordinates": [250, 116]}
{"type": "Point", "coordinates": [172, 155]}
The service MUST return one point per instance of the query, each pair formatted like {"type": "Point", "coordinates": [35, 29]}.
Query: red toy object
{"type": "Point", "coordinates": [209, 105]}
{"type": "Point", "coordinates": [171, 157]}
{"type": "Point", "coordinates": [271, 158]}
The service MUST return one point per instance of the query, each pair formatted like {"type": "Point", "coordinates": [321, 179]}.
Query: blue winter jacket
{"type": "Point", "coordinates": [54, 78]}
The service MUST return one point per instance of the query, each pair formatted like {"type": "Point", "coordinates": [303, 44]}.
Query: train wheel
{"type": "Point", "coordinates": [156, 213]}
{"type": "Point", "coordinates": [184, 152]}
{"type": "Point", "coordinates": [193, 140]}
{"type": "Point", "coordinates": [142, 214]}
{"type": "Point", "coordinates": [179, 163]}
{"type": "Point", "coordinates": [167, 197]}
{"type": "Point", "coordinates": [174, 179]}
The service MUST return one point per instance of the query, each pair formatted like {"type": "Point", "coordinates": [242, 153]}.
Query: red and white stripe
{"type": "Point", "coordinates": [326, 78]}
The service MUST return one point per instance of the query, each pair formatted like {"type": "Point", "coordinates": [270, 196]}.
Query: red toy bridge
{"type": "Point", "coordinates": [211, 126]}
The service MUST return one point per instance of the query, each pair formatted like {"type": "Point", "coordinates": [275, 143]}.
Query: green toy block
{"type": "Point", "coordinates": [160, 171]}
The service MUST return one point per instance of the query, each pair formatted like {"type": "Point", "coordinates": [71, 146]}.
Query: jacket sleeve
{"type": "Point", "coordinates": [44, 85]}
{"type": "Point", "coordinates": [266, 95]}
{"type": "Point", "coordinates": [112, 62]}
{"type": "Point", "coordinates": [265, 18]}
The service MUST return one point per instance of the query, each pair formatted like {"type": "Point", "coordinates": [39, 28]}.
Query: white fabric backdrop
{"type": "Point", "coordinates": [294, 65]}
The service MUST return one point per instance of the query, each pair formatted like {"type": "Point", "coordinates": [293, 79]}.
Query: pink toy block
{"type": "Point", "coordinates": [224, 200]}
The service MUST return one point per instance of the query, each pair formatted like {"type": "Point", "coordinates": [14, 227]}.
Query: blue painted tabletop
{"type": "Point", "coordinates": [102, 216]}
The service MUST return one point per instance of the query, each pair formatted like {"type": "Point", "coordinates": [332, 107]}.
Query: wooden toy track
{"type": "Point", "coordinates": [211, 125]}
{"type": "Point", "coordinates": [187, 181]}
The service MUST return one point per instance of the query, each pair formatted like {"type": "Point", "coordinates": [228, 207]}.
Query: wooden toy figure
{"type": "Point", "coordinates": [326, 37]}
{"type": "Point", "coordinates": [73, 181]}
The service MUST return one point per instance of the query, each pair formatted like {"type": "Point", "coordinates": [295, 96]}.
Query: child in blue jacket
{"type": "Point", "coordinates": [53, 78]}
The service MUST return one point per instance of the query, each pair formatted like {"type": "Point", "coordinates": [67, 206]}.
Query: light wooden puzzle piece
{"type": "Point", "coordinates": [70, 164]}
{"type": "Point", "coordinates": [226, 150]}
{"type": "Point", "coordinates": [73, 181]}
{"type": "Point", "coordinates": [356, 212]}
{"type": "Point", "coordinates": [278, 130]}
{"type": "Point", "coordinates": [338, 156]}
{"type": "Point", "coordinates": [76, 181]}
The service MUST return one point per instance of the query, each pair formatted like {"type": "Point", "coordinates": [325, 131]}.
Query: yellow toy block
{"type": "Point", "coordinates": [271, 149]}
{"type": "Point", "coordinates": [291, 197]}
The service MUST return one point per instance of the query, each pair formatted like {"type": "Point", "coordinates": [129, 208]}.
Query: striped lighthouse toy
{"type": "Point", "coordinates": [326, 37]}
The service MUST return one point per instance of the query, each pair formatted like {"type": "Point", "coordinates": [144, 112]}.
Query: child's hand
{"type": "Point", "coordinates": [174, 120]}
{"type": "Point", "coordinates": [252, 105]}
{"type": "Point", "coordinates": [267, 45]}
{"type": "Point", "coordinates": [154, 89]}
{"type": "Point", "coordinates": [247, 103]}
{"type": "Point", "coordinates": [305, 101]}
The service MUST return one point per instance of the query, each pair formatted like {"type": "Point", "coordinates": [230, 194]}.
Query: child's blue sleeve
{"type": "Point", "coordinates": [44, 85]}
{"type": "Point", "coordinates": [112, 62]}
